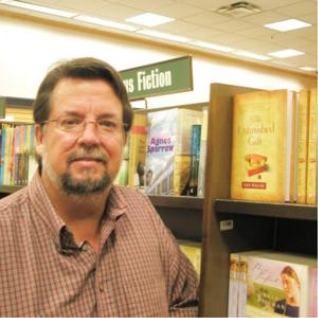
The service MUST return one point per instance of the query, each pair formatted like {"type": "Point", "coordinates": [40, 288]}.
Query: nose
{"type": "Point", "coordinates": [90, 134]}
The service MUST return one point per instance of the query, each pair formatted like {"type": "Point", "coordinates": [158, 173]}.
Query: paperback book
{"type": "Point", "coordinates": [168, 151]}
{"type": "Point", "coordinates": [263, 151]}
{"type": "Point", "coordinates": [276, 284]}
{"type": "Point", "coordinates": [137, 151]}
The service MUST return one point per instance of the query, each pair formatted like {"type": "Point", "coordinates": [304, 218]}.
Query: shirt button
{"type": "Point", "coordinates": [101, 287]}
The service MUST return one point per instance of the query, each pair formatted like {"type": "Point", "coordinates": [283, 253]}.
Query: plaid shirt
{"type": "Point", "coordinates": [139, 272]}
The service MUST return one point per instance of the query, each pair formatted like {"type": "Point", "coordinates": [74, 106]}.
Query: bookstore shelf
{"type": "Point", "coordinates": [286, 210]}
{"type": "Point", "coordinates": [183, 215]}
{"type": "Point", "coordinates": [249, 225]}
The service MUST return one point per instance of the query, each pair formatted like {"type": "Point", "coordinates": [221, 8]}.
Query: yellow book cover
{"type": "Point", "coordinates": [263, 146]}
{"type": "Point", "coordinates": [137, 151]}
{"type": "Point", "coordinates": [168, 150]}
{"type": "Point", "coordinates": [192, 251]}
{"type": "Point", "coordinates": [312, 150]}
{"type": "Point", "coordinates": [302, 146]}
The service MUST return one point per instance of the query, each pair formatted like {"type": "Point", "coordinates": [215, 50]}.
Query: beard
{"type": "Point", "coordinates": [85, 185]}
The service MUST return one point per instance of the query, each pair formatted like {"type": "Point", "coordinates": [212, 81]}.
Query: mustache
{"type": "Point", "coordinates": [88, 154]}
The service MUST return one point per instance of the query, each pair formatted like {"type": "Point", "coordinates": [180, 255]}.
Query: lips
{"type": "Point", "coordinates": [81, 155]}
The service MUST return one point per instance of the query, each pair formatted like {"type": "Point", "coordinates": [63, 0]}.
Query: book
{"type": "Point", "coordinates": [311, 197]}
{"type": "Point", "coordinates": [203, 150]}
{"type": "Point", "coordinates": [313, 309]}
{"type": "Point", "coordinates": [192, 250]}
{"type": "Point", "coordinates": [137, 151]}
{"type": "Point", "coordinates": [122, 175]}
{"type": "Point", "coordinates": [263, 149]}
{"type": "Point", "coordinates": [277, 284]}
{"type": "Point", "coordinates": [232, 310]}
{"type": "Point", "coordinates": [168, 151]}
{"type": "Point", "coordinates": [195, 159]}
{"type": "Point", "coordinates": [302, 146]}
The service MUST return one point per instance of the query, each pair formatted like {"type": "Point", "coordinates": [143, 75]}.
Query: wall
{"type": "Point", "coordinates": [31, 46]}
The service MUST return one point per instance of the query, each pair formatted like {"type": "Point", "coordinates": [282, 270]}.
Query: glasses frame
{"type": "Point", "coordinates": [82, 125]}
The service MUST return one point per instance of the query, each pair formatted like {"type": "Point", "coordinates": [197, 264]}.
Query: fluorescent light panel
{"type": "Point", "coordinates": [42, 9]}
{"type": "Point", "coordinates": [252, 55]}
{"type": "Point", "coordinates": [106, 23]}
{"type": "Point", "coordinates": [307, 68]}
{"type": "Point", "coordinates": [287, 25]}
{"type": "Point", "coordinates": [149, 19]}
{"type": "Point", "coordinates": [212, 46]}
{"type": "Point", "coordinates": [286, 53]}
{"type": "Point", "coordinates": [165, 36]}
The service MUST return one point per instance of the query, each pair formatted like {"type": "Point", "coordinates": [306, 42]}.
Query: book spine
{"type": "Point", "coordinates": [302, 146]}
{"type": "Point", "coordinates": [203, 150]}
{"type": "Point", "coordinates": [195, 159]}
{"type": "Point", "coordinates": [137, 151]}
{"type": "Point", "coordinates": [312, 150]}
{"type": "Point", "coordinates": [232, 310]}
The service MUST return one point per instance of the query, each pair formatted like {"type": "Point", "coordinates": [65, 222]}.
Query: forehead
{"type": "Point", "coordinates": [85, 95]}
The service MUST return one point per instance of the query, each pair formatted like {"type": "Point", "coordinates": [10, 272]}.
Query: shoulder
{"type": "Point", "coordinates": [13, 203]}
{"type": "Point", "coordinates": [132, 197]}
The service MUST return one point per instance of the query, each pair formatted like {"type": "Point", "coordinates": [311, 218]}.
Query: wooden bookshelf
{"type": "Point", "coordinates": [253, 225]}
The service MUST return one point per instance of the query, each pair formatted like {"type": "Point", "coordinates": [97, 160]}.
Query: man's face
{"type": "Point", "coordinates": [87, 159]}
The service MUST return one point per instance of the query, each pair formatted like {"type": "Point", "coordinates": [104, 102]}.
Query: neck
{"type": "Point", "coordinates": [81, 214]}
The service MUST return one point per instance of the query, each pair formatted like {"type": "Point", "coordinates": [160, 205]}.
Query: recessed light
{"type": "Point", "coordinates": [42, 9]}
{"type": "Point", "coordinates": [212, 46]}
{"type": "Point", "coordinates": [287, 25]}
{"type": "Point", "coordinates": [307, 68]}
{"type": "Point", "coordinates": [165, 36]}
{"type": "Point", "coordinates": [252, 55]}
{"type": "Point", "coordinates": [106, 23]}
{"type": "Point", "coordinates": [286, 53]}
{"type": "Point", "coordinates": [149, 19]}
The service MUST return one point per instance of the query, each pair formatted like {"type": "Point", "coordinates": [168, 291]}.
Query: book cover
{"type": "Point", "coordinates": [312, 150]}
{"type": "Point", "coordinates": [263, 147]}
{"type": "Point", "coordinates": [302, 146]}
{"type": "Point", "coordinates": [193, 252]}
{"type": "Point", "coordinates": [168, 151]}
{"type": "Point", "coordinates": [195, 159]}
{"type": "Point", "coordinates": [277, 284]}
{"type": "Point", "coordinates": [137, 151]}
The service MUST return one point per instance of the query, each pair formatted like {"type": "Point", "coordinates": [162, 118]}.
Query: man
{"type": "Point", "coordinates": [72, 243]}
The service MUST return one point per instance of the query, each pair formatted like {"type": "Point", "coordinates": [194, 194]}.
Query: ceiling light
{"type": "Point", "coordinates": [42, 9]}
{"type": "Point", "coordinates": [165, 36]}
{"type": "Point", "coordinates": [287, 25]}
{"type": "Point", "coordinates": [252, 55]}
{"type": "Point", "coordinates": [149, 19]}
{"type": "Point", "coordinates": [286, 53]}
{"type": "Point", "coordinates": [307, 69]}
{"type": "Point", "coordinates": [213, 46]}
{"type": "Point", "coordinates": [106, 23]}
{"type": "Point", "coordinates": [239, 9]}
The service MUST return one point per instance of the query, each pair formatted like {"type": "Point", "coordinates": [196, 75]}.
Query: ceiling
{"type": "Point", "coordinates": [199, 20]}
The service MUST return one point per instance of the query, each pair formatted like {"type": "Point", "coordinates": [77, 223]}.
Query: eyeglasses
{"type": "Point", "coordinates": [74, 124]}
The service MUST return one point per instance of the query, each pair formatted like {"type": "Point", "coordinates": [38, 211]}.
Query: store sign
{"type": "Point", "coordinates": [167, 77]}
